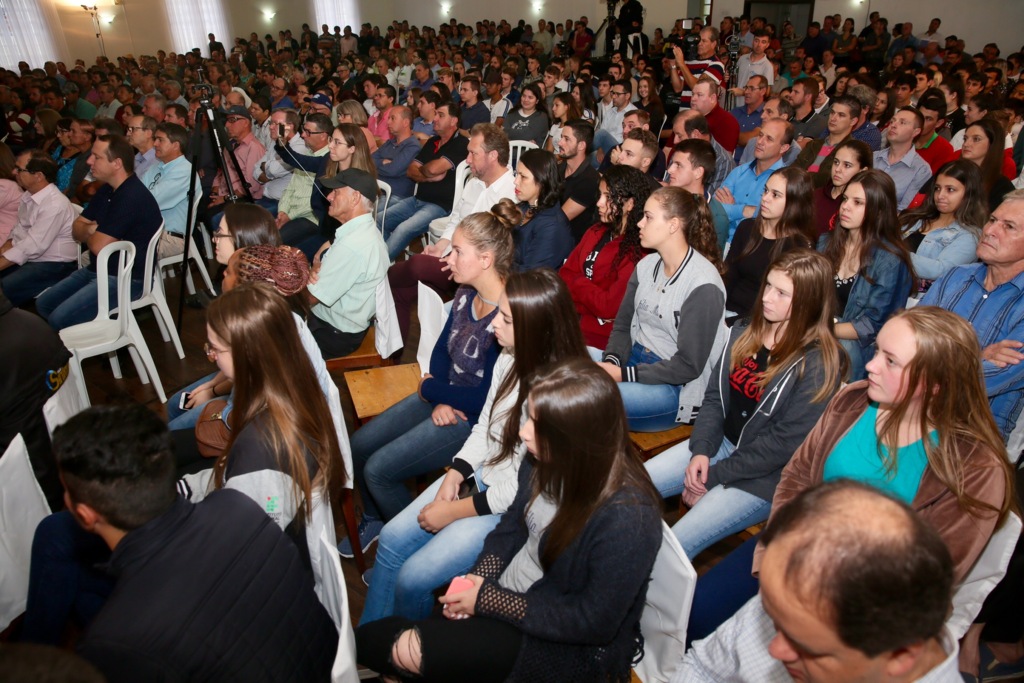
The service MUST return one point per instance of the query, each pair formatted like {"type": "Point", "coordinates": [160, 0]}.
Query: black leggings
{"type": "Point", "coordinates": [474, 650]}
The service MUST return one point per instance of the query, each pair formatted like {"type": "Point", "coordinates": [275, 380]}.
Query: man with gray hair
{"type": "Point", "coordinates": [865, 131]}
{"type": "Point", "coordinates": [77, 105]}
{"type": "Point", "coordinates": [854, 587]}
{"type": "Point", "coordinates": [172, 91]}
{"type": "Point", "coordinates": [343, 297]}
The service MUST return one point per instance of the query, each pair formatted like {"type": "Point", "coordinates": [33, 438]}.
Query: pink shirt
{"type": "Point", "coordinates": [249, 153]}
{"type": "Point", "coordinates": [378, 124]}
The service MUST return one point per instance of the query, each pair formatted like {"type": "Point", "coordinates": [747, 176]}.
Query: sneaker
{"type": "Point", "coordinates": [369, 530]}
{"type": "Point", "coordinates": [994, 670]}
{"type": "Point", "coordinates": [367, 577]}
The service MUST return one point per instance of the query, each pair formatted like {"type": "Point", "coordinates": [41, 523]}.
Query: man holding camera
{"type": "Point", "coordinates": [685, 73]}
{"type": "Point", "coordinates": [631, 27]}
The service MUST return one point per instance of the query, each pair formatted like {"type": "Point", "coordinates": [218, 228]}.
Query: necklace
{"type": "Point", "coordinates": [486, 301]}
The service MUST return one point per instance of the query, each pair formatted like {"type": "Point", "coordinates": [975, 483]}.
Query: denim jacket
{"type": "Point", "coordinates": [942, 249]}
{"type": "Point", "coordinates": [870, 305]}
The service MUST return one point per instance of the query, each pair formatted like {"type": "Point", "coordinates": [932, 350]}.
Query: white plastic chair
{"type": "Point", "coordinates": [387, 334]}
{"type": "Point", "coordinates": [988, 570]}
{"type": "Point", "coordinates": [22, 507]}
{"type": "Point", "coordinates": [64, 404]}
{"type": "Point", "coordinates": [153, 295]}
{"type": "Point", "coordinates": [106, 336]}
{"type": "Point", "coordinates": [385, 189]}
{"type": "Point", "coordinates": [335, 600]}
{"type": "Point", "coordinates": [193, 255]}
{"type": "Point", "coordinates": [516, 149]}
{"type": "Point", "coordinates": [83, 250]}
{"type": "Point", "coordinates": [666, 611]}
{"type": "Point", "coordinates": [432, 316]}
{"type": "Point", "coordinates": [462, 175]}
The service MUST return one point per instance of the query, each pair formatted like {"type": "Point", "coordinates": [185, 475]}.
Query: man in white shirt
{"type": "Point", "coordinates": [273, 171]}
{"type": "Point", "coordinates": [40, 251]}
{"type": "Point", "coordinates": [755, 62]}
{"type": "Point", "coordinates": [609, 133]}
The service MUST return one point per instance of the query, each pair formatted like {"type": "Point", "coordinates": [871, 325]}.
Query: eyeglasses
{"type": "Point", "coordinates": [234, 119]}
{"type": "Point", "coordinates": [753, 87]}
{"type": "Point", "coordinates": [618, 94]}
{"type": "Point", "coordinates": [307, 131]}
{"type": "Point", "coordinates": [19, 169]}
{"type": "Point", "coordinates": [212, 352]}
{"type": "Point", "coordinates": [156, 179]}
{"type": "Point", "coordinates": [221, 236]}
{"type": "Point", "coordinates": [335, 142]}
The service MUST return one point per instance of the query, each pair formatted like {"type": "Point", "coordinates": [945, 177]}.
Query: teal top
{"type": "Point", "coordinates": [856, 457]}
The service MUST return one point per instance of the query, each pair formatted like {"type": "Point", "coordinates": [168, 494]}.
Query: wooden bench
{"type": "Point", "coordinates": [651, 443]}
{"type": "Point", "coordinates": [365, 356]}
{"type": "Point", "coordinates": [375, 390]}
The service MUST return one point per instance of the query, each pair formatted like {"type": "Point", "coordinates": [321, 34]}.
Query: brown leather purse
{"type": "Point", "coordinates": [211, 432]}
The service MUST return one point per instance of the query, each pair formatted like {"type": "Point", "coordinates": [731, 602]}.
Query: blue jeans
{"type": "Point", "coordinates": [853, 349]}
{"type": "Point", "coordinates": [720, 513]}
{"type": "Point", "coordinates": [185, 419]}
{"type": "Point", "coordinates": [604, 141]}
{"type": "Point", "coordinates": [649, 407]}
{"type": "Point", "coordinates": [407, 219]}
{"type": "Point", "coordinates": [303, 234]}
{"type": "Point", "coordinates": [412, 563]}
{"type": "Point", "coordinates": [400, 443]}
{"type": "Point", "coordinates": [73, 300]}
{"type": "Point", "coordinates": [64, 580]}
{"type": "Point", "coordinates": [23, 283]}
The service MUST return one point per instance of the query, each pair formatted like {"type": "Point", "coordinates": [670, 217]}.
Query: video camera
{"type": "Point", "coordinates": [687, 43]}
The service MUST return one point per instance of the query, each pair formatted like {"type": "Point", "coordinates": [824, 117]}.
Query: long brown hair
{"type": "Point", "coordinates": [810, 322]}
{"type": "Point", "coordinates": [584, 456]}
{"type": "Point", "coordinates": [972, 214]}
{"type": "Point", "coordinates": [992, 165]}
{"type": "Point", "coordinates": [361, 157]}
{"type": "Point", "coordinates": [273, 381]}
{"type": "Point", "coordinates": [880, 229]}
{"type": "Point", "coordinates": [947, 368]}
{"type": "Point", "coordinates": [797, 221]}
{"type": "Point", "coordinates": [699, 225]}
{"type": "Point", "coordinates": [545, 329]}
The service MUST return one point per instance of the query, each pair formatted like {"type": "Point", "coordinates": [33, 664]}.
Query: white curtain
{"type": "Point", "coordinates": [25, 35]}
{"type": "Point", "coordinates": [336, 13]}
{"type": "Point", "coordinates": [191, 20]}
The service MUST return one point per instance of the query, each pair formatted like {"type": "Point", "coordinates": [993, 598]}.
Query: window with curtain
{"type": "Point", "coordinates": [192, 20]}
{"type": "Point", "coordinates": [24, 35]}
{"type": "Point", "coordinates": [336, 13]}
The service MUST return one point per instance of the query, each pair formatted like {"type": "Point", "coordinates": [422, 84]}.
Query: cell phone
{"type": "Point", "coordinates": [459, 584]}
{"type": "Point", "coordinates": [183, 401]}
{"type": "Point", "coordinates": [280, 129]}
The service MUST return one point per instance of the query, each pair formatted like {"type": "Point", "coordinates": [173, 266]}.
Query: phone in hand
{"type": "Point", "coordinates": [459, 584]}
{"type": "Point", "coordinates": [183, 401]}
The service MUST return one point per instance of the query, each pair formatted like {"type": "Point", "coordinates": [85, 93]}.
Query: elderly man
{"type": "Point", "coordinates": [836, 557]}
{"type": "Point", "coordinates": [155, 107]}
{"type": "Point", "coordinates": [299, 210]}
{"type": "Point", "coordinates": [172, 91]}
{"type": "Point", "coordinates": [248, 151]}
{"type": "Point", "coordinates": [40, 251]}
{"type": "Point", "coordinates": [109, 104]}
{"type": "Point", "coordinates": [683, 75]}
{"type": "Point", "coordinates": [279, 95]}
{"type": "Point", "coordinates": [273, 172]}
{"type": "Point", "coordinates": [123, 209]}
{"type": "Point", "coordinates": [167, 180]}
{"type": "Point", "coordinates": [987, 295]}
{"type": "Point", "coordinates": [344, 295]}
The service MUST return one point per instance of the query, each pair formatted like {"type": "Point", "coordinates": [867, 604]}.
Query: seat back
{"type": "Point", "coordinates": [385, 189]}
{"type": "Point", "coordinates": [335, 599]}
{"type": "Point", "coordinates": [432, 316]}
{"type": "Point", "coordinates": [124, 252]}
{"type": "Point", "coordinates": [388, 337]}
{"type": "Point", "coordinates": [462, 174]}
{"type": "Point", "coordinates": [666, 610]}
{"type": "Point", "coordinates": [22, 507]}
{"type": "Point", "coordinates": [152, 272]}
{"type": "Point", "coordinates": [988, 570]}
{"type": "Point", "coordinates": [516, 149]}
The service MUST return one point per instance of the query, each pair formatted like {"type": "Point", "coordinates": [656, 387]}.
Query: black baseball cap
{"type": "Point", "coordinates": [357, 179]}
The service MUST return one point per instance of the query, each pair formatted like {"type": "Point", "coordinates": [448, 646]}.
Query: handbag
{"type": "Point", "coordinates": [211, 432]}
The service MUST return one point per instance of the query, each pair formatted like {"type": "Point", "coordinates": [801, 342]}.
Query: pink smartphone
{"type": "Point", "coordinates": [459, 584]}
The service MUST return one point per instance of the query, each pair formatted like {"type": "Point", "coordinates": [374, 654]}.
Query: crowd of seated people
{"type": "Point", "coordinates": [813, 261]}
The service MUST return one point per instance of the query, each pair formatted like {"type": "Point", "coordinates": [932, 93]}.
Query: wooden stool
{"type": "Point", "coordinates": [651, 443]}
{"type": "Point", "coordinates": [365, 356]}
{"type": "Point", "coordinates": [374, 391]}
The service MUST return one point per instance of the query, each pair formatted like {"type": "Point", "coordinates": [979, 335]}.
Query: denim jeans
{"type": "Point", "coordinates": [64, 580]}
{"type": "Point", "coordinates": [720, 513]}
{"type": "Point", "coordinates": [187, 418]}
{"type": "Point", "coordinates": [604, 141]}
{"type": "Point", "coordinates": [400, 443]}
{"type": "Point", "coordinates": [303, 234]}
{"type": "Point", "coordinates": [23, 283]}
{"type": "Point", "coordinates": [73, 300]}
{"type": "Point", "coordinates": [412, 563]}
{"type": "Point", "coordinates": [853, 349]}
{"type": "Point", "coordinates": [649, 407]}
{"type": "Point", "coordinates": [408, 218]}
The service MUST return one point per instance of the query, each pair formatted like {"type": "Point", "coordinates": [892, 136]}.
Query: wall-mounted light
{"type": "Point", "coordinates": [538, 7]}
{"type": "Point", "coordinates": [446, 8]}
{"type": "Point", "coordinates": [108, 18]}
{"type": "Point", "coordinates": [269, 14]}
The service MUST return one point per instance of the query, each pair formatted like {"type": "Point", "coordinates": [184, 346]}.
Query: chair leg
{"type": "Point", "coordinates": [140, 369]}
{"type": "Point", "coordinates": [188, 277]}
{"type": "Point", "coordinates": [348, 508]}
{"type": "Point", "coordinates": [164, 319]}
{"type": "Point", "coordinates": [160, 324]}
{"type": "Point", "coordinates": [138, 345]}
{"type": "Point", "coordinates": [201, 264]}
{"type": "Point", "coordinates": [79, 379]}
{"type": "Point", "coordinates": [115, 365]}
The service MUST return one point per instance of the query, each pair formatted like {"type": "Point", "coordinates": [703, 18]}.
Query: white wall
{"type": "Point", "coordinates": [140, 26]}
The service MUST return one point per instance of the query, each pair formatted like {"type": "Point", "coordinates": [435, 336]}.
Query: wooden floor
{"type": "Point", "coordinates": [176, 373]}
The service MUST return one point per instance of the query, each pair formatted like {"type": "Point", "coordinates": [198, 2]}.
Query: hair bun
{"type": "Point", "coordinates": [507, 213]}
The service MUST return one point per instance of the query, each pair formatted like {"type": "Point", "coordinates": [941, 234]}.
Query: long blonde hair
{"type": "Point", "coordinates": [947, 369]}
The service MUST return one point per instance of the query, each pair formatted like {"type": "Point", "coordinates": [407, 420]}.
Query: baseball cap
{"type": "Point", "coordinates": [357, 179]}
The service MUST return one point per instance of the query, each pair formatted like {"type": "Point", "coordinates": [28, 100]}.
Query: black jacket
{"type": "Point", "coordinates": [212, 591]}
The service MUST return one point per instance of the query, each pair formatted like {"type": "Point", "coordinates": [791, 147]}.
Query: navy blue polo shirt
{"type": "Point", "coordinates": [128, 213]}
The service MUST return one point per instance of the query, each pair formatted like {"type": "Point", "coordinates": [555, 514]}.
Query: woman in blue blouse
{"type": "Point", "coordinates": [543, 240]}
{"type": "Point", "coordinates": [424, 431]}
{"type": "Point", "coordinates": [871, 264]}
